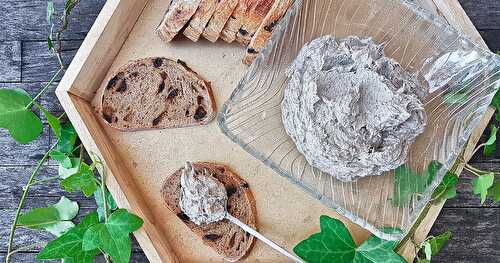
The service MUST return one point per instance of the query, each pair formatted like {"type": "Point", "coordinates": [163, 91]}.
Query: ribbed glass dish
{"type": "Point", "coordinates": [463, 79]}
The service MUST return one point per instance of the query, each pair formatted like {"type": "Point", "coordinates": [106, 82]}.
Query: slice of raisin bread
{"type": "Point", "coordinates": [176, 17]}
{"type": "Point", "coordinates": [156, 93]}
{"type": "Point", "coordinates": [253, 20]}
{"type": "Point", "coordinates": [235, 21]}
{"type": "Point", "coordinates": [222, 12]}
{"type": "Point", "coordinates": [200, 19]}
{"type": "Point", "coordinates": [266, 29]}
{"type": "Point", "coordinates": [227, 239]}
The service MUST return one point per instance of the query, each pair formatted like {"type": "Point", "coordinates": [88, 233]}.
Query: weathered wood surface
{"type": "Point", "coordinates": [26, 62]}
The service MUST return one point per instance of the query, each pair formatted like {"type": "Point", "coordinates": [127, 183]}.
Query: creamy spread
{"type": "Point", "coordinates": [203, 198]}
{"type": "Point", "coordinates": [351, 111]}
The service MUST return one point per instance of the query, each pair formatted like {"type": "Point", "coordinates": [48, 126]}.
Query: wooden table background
{"type": "Point", "coordinates": [25, 62]}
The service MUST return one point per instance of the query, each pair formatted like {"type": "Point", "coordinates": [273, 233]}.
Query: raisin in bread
{"type": "Point", "coordinates": [227, 239]}
{"type": "Point", "coordinates": [156, 93]}
{"type": "Point", "coordinates": [252, 20]}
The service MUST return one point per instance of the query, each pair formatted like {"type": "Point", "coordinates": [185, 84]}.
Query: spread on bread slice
{"type": "Point", "coordinates": [227, 239]}
{"type": "Point", "coordinates": [176, 17]}
{"type": "Point", "coordinates": [156, 93]}
{"type": "Point", "coordinates": [200, 19]}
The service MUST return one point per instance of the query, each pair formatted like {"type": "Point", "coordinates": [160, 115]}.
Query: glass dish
{"type": "Point", "coordinates": [463, 78]}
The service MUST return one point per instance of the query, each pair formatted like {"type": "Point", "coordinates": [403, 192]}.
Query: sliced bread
{"type": "Point", "coordinates": [156, 93]}
{"type": "Point", "coordinates": [176, 17]}
{"type": "Point", "coordinates": [222, 12]}
{"type": "Point", "coordinates": [266, 28]}
{"type": "Point", "coordinates": [252, 21]}
{"type": "Point", "coordinates": [227, 239]}
{"type": "Point", "coordinates": [236, 19]}
{"type": "Point", "coordinates": [200, 19]}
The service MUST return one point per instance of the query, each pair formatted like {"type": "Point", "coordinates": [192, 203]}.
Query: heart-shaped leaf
{"type": "Point", "coordinates": [447, 188]}
{"type": "Point", "coordinates": [69, 245]}
{"type": "Point", "coordinates": [113, 236]}
{"type": "Point", "coordinates": [15, 115]}
{"type": "Point", "coordinates": [55, 219]}
{"type": "Point", "coordinates": [62, 158]}
{"type": "Point", "coordinates": [494, 191]}
{"type": "Point", "coordinates": [335, 244]}
{"type": "Point", "coordinates": [481, 184]}
{"type": "Point", "coordinates": [67, 172]}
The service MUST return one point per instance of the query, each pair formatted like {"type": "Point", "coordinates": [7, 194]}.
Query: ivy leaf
{"type": "Point", "coordinates": [83, 180]}
{"type": "Point", "coordinates": [447, 189]}
{"type": "Point", "coordinates": [56, 218]}
{"type": "Point", "coordinates": [113, 236]}
{"type": "Point", "coordinates": [15, 115]}
{"type": "Point", "coordinates": [455, 98]}
{"type": "Point", "coordinates": [335, 244]}
{"type": "Point", "coordinates": [481, 184]}
{"type": "Point", "coordinates": [407, 182]}
{"type": "Point", "coordinates": [490, 145]}
{"type": "Point", "coordinates": [438, 242]}
{"type": "Point", "coordinates": [67, 172]}
{"type": "Point", "coordinates": [53, 121]}
{"type": "Point", "coordinates": [66, 139]}
{"type": "Point", "coordinates": [494, 191]}
{"type": "Point", "coordinates": [427, 250]}
{"type": "Point", "coordinates": [69, 245]}
{"type": "Point", "coordinates": [62, 158]}
{"type": "Point", "coordinates": [100, 203]}
{"type": "Point", "coordinates": [496, 104]}
{"type": "Point", "coordinates": [50, 11]}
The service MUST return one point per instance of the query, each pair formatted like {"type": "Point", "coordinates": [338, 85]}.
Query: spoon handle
{"type": "Point", "coordinates": [256, 234]}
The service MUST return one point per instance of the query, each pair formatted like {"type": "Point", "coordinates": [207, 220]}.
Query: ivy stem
{"type": "Point", "coordinates": [43, 181]}
{"type": "Point", "coordinates": [24, 248]}
{"type": "Point", "coordinates": [21, 202]}
{"type": "Point", "coordinates": [478, 171]}
{"type": "Point", "coordinates": [477, 149]}
{"type": "Point", "coordinates": [44, 88]}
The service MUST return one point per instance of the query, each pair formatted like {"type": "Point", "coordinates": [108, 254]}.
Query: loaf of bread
{"type": "Point", "coordinates": [227, 239]}
{"type": "Point", "coordinates": [156, 93]}
{"type": "Point", "coordinates": [177, 15]}
{"type": "Point", "coordinates": [266, 28]}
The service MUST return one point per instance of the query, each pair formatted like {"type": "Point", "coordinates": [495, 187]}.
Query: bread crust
{"type": "Point", "coordinates": [215, 235]}
{"type": "Point", "coordinates": [146, 67]}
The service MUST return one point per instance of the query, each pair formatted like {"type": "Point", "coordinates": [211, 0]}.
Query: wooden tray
{"type": "Point", "coordinates": [138, 162]}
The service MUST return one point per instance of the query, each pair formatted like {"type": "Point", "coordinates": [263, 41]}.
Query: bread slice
{"type": "Point", "coordinates": [200, 19]}
{"type": "Point", "coordinates": [236, 19]}
{"type": "Point", "coordinates": [222, 12]}
{"type": "Point", "coordinates": [253, 20]}
{"type": "Point", "coordinates": [156, 93]}
{"type": "Point", "coordinates": [177, 15]}
{"type": "Point", "coordinates": [227, 239]}
{"type": "Point", "coordinates": [266, 28]}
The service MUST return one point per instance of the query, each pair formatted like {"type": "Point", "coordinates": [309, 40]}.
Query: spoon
{"type": "Point", "coordinates": [204, 200]}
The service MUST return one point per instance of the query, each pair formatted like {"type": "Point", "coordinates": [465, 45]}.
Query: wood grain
{"type": "Point", "coordinates": [10, 61]}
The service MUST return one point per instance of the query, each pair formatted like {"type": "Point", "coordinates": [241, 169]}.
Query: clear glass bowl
{"type": "Point", "coordinates": [463, 78]}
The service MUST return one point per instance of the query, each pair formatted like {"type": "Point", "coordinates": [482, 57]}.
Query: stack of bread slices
{"type": "Point", "coordinates": [248, 22]}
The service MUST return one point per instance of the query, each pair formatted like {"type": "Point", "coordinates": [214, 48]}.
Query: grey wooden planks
{"type": "Point", "coordinates": [10, 61]}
